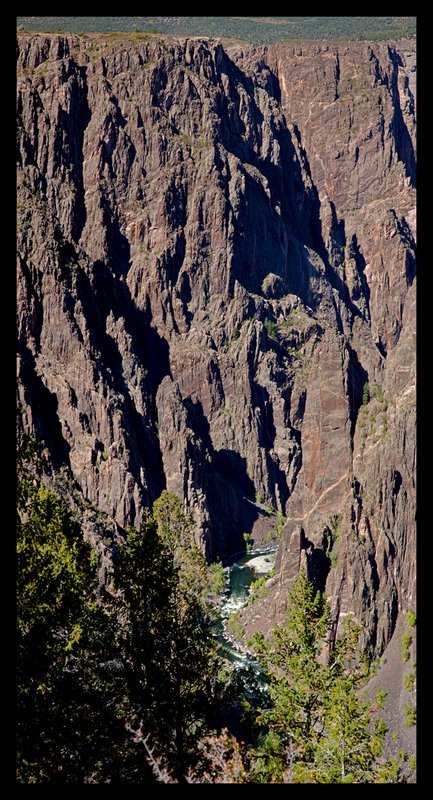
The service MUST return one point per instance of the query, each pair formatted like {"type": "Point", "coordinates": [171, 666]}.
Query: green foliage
{"type": "Point", "coordinates": [69, 693]}
{"type": "Point", "coordinates": [381, 695]}
{"type": "Point", "coordinates": [293, 672]}
{"type": "Point", "coordinates": [377, 393]}
{"type": "Point", "coordinates": [259, 498]}
{"type": "Point", "coordinates": [148, 657]}
{"type": "Point", "coordinates": [391, 771]}
{"type": "Point", "coordinates": [319, 728]}
{"type": "Point", "coordinates": [409, 681]}
{"type": "Point", "coordinates": [366, 394]}
{"type": "Point", "coordinates": [257, 590]}
{"type": "Point", "coordinates": [409, 716]}
{"type": "Point", "coordinates": [334, 530]}
{"type": "Point", "coordinates": [347, 750]}
{"type": "Point", "coordinates": [248, 542]}
{"type": "Point", "coordinates": [275, 534]}
{"type": "Point", "coordinates": [411, 618]}
{"type": "Point", "coordinates": [168, 642]}
{"type": "Point", "coordinates": [268, 759]}
{"type": "Point", "coordinates": [406, 641]}
{"type": "Point", "coordinates": [292, 320]}
{"type": "Point", "coordinates": [184, 138]}
{"type": "Point", "coordinates": [104, 455]}
{"type": "Point", "coordinates": [218, 579]}
{"type": "Point", "coordinates": [235, 334]}
{"type": "Point", "coordinates": [297, 354]}
{"type": "Point", "coordinates": [335, 523]}
{"type": "Point", "coordinates": [258, 30]}
{"type": "Point", "coordinates": [265, 283]}
{"type": "Point", "coordinates": [384, 427]}
{"type": "Point", "coordinates": [271, 328]}
{"type": "Point", "coordinates": [234, 627]}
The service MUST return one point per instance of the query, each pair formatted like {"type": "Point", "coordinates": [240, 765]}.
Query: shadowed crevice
{"type": "Point", "coordinates": [44, 406]}
{"type": "Point", "coordinates": [403, 142]}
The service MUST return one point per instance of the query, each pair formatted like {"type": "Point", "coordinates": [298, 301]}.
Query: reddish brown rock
{"type": "Point", "coordinates": [216, 251]}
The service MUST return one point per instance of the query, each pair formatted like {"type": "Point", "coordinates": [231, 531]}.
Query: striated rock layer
{"type": "Point", "coordinates": [216, 254]}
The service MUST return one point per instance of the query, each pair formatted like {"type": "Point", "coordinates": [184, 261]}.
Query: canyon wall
{"type": "Point", "coordinates": [216, 294]}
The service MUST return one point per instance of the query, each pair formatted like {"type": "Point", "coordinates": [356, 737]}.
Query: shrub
{"type": "Point", "coordinates": [334, 524]}
{"type": "Point", "coordinates": [409, 681]}
{"type": "Point", "coordinates": [234, 627]}
{"type": "Point", "coordinates": [265, 283]}
{"type": "Point", "coordinates": [375, 664]}
{"type": "Point", "coordinates": [409, 716]}
{"type": "Point", "coordinates": [274, 534]}
{"type": "Point", "coordinates": [218, 580]}
{"type": "Point", "coordinates": [248, 541]}
{"type": "Point", "coordinates": [257, 590]}
{"type": "Point", "coordinates": [381, 697]}
{"type": "Point", "coordinates": [366, 394]}
{"type": "Point", "coordinates": [379, 393]}
{"type": "Point", "coordinates": [271, 328]}
{"type": "Point", "coordinates": [411, 619]}
{"type": "Point", "coordinates": [406, 641]}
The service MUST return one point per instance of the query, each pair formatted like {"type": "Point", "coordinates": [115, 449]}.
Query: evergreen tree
{"type": "Point", "coordinates": [168, 639]}
{"type": "Point", "coordinates": [320, 727]}
{"type": "Point", "coordinates": [87, 676]}
{"type": "Point", "coordinates": [366, 394]}
{"type": "Point", "coordinates": [69, 679]}
{"type": "Point", "coordinates": [348, 748]}
{"type": "Point", "coordinates": [297, 679]}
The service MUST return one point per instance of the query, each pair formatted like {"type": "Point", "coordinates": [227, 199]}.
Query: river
{"type": "Point", "coordinates": [242, 573]}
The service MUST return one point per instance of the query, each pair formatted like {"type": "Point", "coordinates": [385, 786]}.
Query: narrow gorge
{"type": "Point", "coordinates": [216, 295]}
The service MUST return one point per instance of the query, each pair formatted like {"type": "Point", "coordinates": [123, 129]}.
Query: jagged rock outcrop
{"type": "Point", "coordinates": [216, 253]}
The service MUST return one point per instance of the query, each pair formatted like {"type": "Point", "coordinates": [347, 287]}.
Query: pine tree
{"type": "Point", "coordinates": [168, 639]}
{"type": "Point", "coordinates": [320, 728]}
{"type": "Point", "coordinates": [348, 748]}
{"type": "Point", "coordinates": [366, 394]}
{"type": "Point", "coordinates": [68, 677]}
{"type": "Point", "coordinates": [296, 676]}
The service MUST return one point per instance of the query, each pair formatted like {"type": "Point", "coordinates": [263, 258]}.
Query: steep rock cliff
{"type": "Point", "coordinates": [216, 254]}
{"type": "Point", "coordinates": [351, 109]}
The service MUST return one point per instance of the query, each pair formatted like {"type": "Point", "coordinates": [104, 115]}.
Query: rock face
{"type": "Point", "coordinates": [216, 254]}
